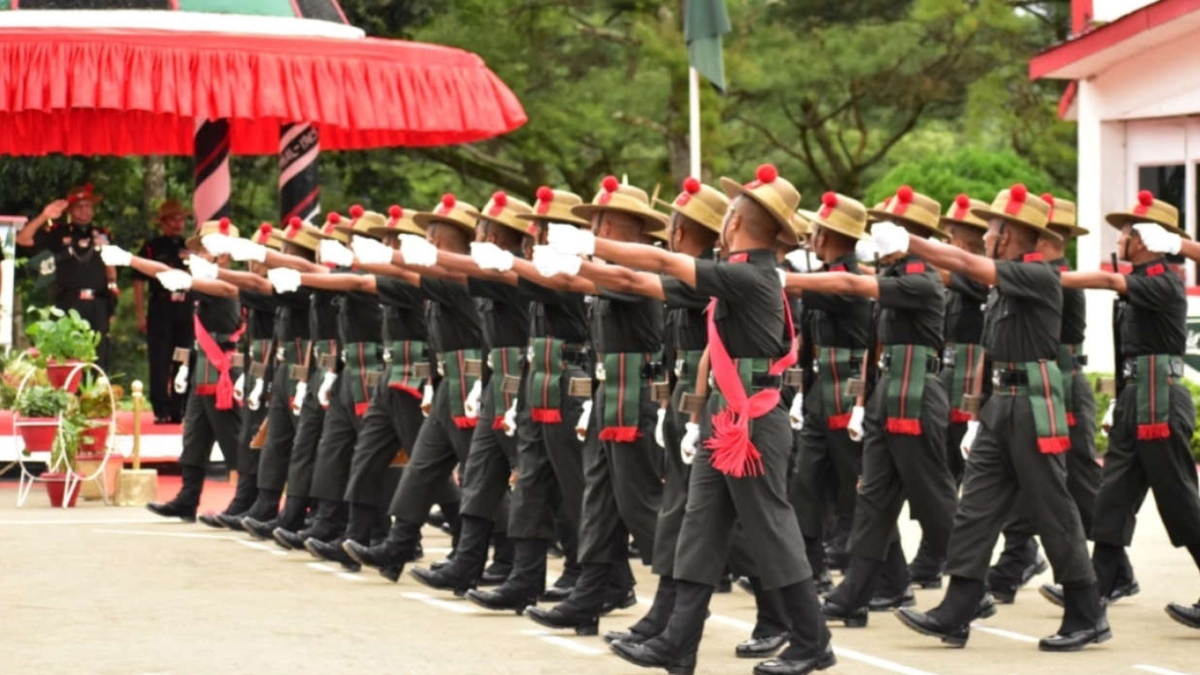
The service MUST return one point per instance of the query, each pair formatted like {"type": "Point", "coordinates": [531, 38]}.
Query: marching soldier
{"type": "Point", "coordinates": [1023, 432]}
{"type": "Point", "coordinates": [168, 323]}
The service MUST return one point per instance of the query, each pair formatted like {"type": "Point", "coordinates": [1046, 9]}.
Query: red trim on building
{"type": "Point", "coordinates": [1068, 98]}
{"type": "Point", "coordinates": [1081, 16]}
{"type": "Point", "coordinates": [1109, 35]}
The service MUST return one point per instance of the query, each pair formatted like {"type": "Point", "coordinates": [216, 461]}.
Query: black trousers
{"type": "Point", "coordinates": [204, 425]}
{"type": "Point", "coordinates": [1131, 467]}
{"type": "Point", "coordinates": [759, 504]}
{"type": "Point", "coordinates": [97, 312]}
{"type": "Point", "coordinates": [391, 423]}
{"type": "Point", "coordinates": [439, 447]}
{"type": "Point", "coordinates": [1005, 462]}
{"type": "Point", "coordinates": [276, 452]}
{"type": "Point", "coordinates": [331, 473]}
{"type": "Point", "coordinates": [489, 464]}
{"type": "Point", "coordinates": [168, 326]}
{"type": "Point", "coordinates": [248, 459]}
{"type": "Point", "coordinates": [675, 492]}
{"type": "Point", "coordinates": [621, 486]}
{"type": "Point", "coordinates": [897, 467]}
{"type": "Point", "coordinates": [549, 470]}
{"type": "Point", "coordinates": [827, 460]}
{"type": "Point", "coordinates": [309, 427]}
{"type": "Point", "coordinates": [954, 431]}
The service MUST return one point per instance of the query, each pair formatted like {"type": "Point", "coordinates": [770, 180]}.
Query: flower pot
{"type": "Point", "coordinates": [38, 433]}
{"type": "Point", "coordinates": [56, 484]}
{"type": "Point", "coordinates": [59, 373]}
{"type": "Point", "coordinates": [94, 439]}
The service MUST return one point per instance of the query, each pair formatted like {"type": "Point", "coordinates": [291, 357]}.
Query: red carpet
{"type": "Point", "coordinates": [216, 496]}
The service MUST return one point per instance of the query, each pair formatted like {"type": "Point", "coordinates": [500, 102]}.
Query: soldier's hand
{"type": "Point", "coordinates": [687, 446]}
{"type": "Point", "coordinates": [1158, 239]}
{"type": "Point", "coordinates": [55, 208]}
{"type": "Point", "coordinates": [239, 388]}
{"type": "Point", "coordinates": [585, 419]}
{"type": "Point", "coordinates": [181, 379]}
{"type": "Point", "coordinates": [889, 238]}
{"type": "Point", "coordinates": [115, 256]}
{"type": "Point", "coordinates": [803, 261]}
{"type": "Point", "coordinates": [570, 240]}
{"type": "Point", "coordinates": [174, 280]}
{"type": "Point", "coordinates": [796, 413]}
{"type": "Point", "coordinates": [201, 268]}
{"type": "Point", "coordinates": [1107, 423]}
{"type": "Point", "coordinates": [417, 251]}
{"type": "Point", "coordinates": [855, 427]}
{"type": "Point", "coordinates": [244, 250]}
{"type": "Point", "coordinates": [471, 403]}
{"type": "Point", "coordinates": [298, 399]}
{"type": "Point", "coordinates": [371, 252]}
{"type": "Point", "coordinates": [968, 438]}
{"type": "Point", "coordinates": [491, 257]}
{"type": "Point", "coordinates": [284, 280]}
{"type": "Point", "coordinates": [659, 436]}
{"type": "Point", "coordinates": [334, 252]}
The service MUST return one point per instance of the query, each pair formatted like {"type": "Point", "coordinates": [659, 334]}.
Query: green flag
{"type": "Point", "coordinates": [704, 22]}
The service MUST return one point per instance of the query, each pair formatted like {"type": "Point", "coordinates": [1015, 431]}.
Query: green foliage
{"type": "Point", "coordinates": [43, 401]}
{"type": "Point", "coordinates": [1102, 402]}
{"type": "Point", "coordinates": [69, 439]}
{"type": "Point", "coordinates": [95, 398]}
{"type": "Point", "coordinates": [61, 336]}
{"type": "Point", "coordinates": [979, 173]}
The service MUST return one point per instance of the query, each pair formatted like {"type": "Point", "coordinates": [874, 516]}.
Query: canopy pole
{"type": "Point", "coordinates": [210, 200]}
{"type": "Point", "coordinates": [299, 180]}
{"type": "Point", "coordinates": [694, 122]}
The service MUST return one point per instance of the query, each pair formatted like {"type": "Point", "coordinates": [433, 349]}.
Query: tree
{"type": "Point", "coordinates": [978, 173]}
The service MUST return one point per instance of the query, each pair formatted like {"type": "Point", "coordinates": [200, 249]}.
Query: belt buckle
{"type": "Point", "coordinates": [237, 360]}
{"type": "Point", "coordinates": [87, 294]}
{"type": "Point", "coordinates": [258, 370]}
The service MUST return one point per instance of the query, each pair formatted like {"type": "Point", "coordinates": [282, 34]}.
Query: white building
{"type": "Point", "coordinates": [1134, 68]}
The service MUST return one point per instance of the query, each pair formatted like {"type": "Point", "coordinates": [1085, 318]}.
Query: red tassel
{"type": "Point", "coordinates": [547, 415]}
{"type": "Point", "coordinates": [958, 416]}
{"type": "Point", "coordinates": [408, 390]}
{"type": "Point", "coordinates": [1070, 419]}
{"type": "Point", "coordinates": [619, 434]}
{"type": "Point", "coordinates": [903, 426]}
{"type": "Point", "coordinates": [464, 422]}
{"type": "Point", "coordinates": [360, 408]}
{"type": "Point", "coordinates": [1054, 444]}
{"type": "Point", "coordinates": [838, 422]}
{"type": "Point", "coordinates": [733, 452]}
{"type": "Point", "coordinates": [498, 423]}
{"type": "Point", "coordinates": [1153, 432]}
{"type": "Point", "coordinates": [205, 390]}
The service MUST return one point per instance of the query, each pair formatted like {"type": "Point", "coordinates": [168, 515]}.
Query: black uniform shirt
{"type": "Point", "coordinates": [221, 317]}
{"type": "Point", "coordinates": [169, 251]}
{"type": "Point", "coordinates": [557, 314]}
{"type": "Point", "coordinates": [838, 320]}
{"type": "Point", "coordinates": [360, 318]}
{"type": "Point", "coordinates": [323, 315]}
{"type": "Point", "coordinates": [403, 311]}
{"type": "Point", "coordinates": [260, 320]}
{"type": "Point", "coordinates": [911, 311]}
{"type": "Point", "coordinates": [1074, 310]}
{"type": "Point", "coordinates": [1024, 312]}
{"type": "Point", "coordinates": [965, 299]}
{"type": "Point", "coordinates": [291, 315]}
{"type": "Point", "coordinates": [77, 262]}
{"type": "Point", "coordinates": [749, 312]}
{"type": "Point", "coordinates": [1154, 320]}
{"type": "Point", "coordinates": [626, 324]}
{"type": "Point", "coordinates": [504, 312]}
{"type": "Point", "coordinates": [687, 324]}
{"type": "Point", "coordinates": [451, 316]}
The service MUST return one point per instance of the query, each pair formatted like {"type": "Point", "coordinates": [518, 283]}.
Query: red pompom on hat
{"type": "Point", "coordinates": [829, 199]}
{"type": "Point", "coordinates": [610, 184]}
{"type": "Point", "coordinates": [448, 200]}
{"type": "Point", "coordinates": [223, 226]}
{"type": "Point", "coordinates": [335, 218]}
{"type": "Point", "coordinates": [766, 173]}
{"type": "Point", "coordinates": [1145, 198]}
{"type": "Point", "coordinates": [962, 201]}
{"type": "Point", "coordinates": [545, 194]}
{"type": "Point", "coordinates": [1048, 198]}
{"type": "Point", "coordinates": [691, 185]}
{"type": "Point", "coordinates": [395, 211]}
{"type": "Point", "coordinates": [264, 231]}
{"type": "Point", "coordinates": [1018, 192]}
{"type": "Point", "coordinates": [500, 198]}
{"type": "Point", "coordinates": [293, 228]}
{"type": "Point", "coordinates": [356, 211]}
{"type": "Point", "coordinates": [905, 194]}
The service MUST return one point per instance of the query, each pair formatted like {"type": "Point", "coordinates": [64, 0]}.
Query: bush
{"type": "Point", "coordinates": [1102, 401]}
{"type": "Point", "coordinates": [979, 173]}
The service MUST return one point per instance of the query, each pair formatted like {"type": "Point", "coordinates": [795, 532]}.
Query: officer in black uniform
{"type": "Point", "coordinates": [82, 281]}
{"type": "Point", "coordinates": [1153, 414]}
{"type": "Point", "coordinates": [212, 413]}
{"type": "Point", "coordinates": [1023, 436]}
{"type": "Point", "coordinates": [904, 421]}
{"type": "Point", "coordinates": [167, 324]}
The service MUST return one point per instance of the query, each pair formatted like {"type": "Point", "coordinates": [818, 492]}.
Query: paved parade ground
{"type": "Point", "coordinates": [102, 590]}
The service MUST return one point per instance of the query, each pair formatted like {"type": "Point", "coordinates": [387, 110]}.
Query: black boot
{"type": "Point", "coordinates": [655, 620]}
{"type": "Point", "coordinates": [1083, 623]}
{"type": "Point", "coordinates": [893, 590]}
{"type": "Point", "coordinates": [292, 513]}
{"type": "Point", "coordinates": [183, 506]}
{"type": "Point", "coordinates": [675, 648]}
{"type": "Point", "coordinates": [502, 561]}
{"type": "Point", "coordinates": [618, 594]}
{"type": "Point", "coordinates": [809, 648]}
{"type": "Point", "coordinates": [1019, 562]}
{"type": "Point", "coordinates": [390, 556]}
{"type": "Point", "coordinates": [1188, 616]}
{"type": "Point", "coordinates": [951, 620]}
{"type": "Point", "coordinates": [264, 508]}
{"type": "Point", "coordinates": [770, 632]}
{"type": "Point", "coordinates": [849, 602]}
{"type": "Point", "coordinates": [462, 574]}
{"type": "Point", "coordinates": [580, 612]}
{"type": "Point", "coordinates": [926, 569]}
{"type": "Point", "coordinates": [243, 498]}
{"type": "Point", "coordinates": [561, 588]}
{"type": "Point", "coordinates": [522, 587]}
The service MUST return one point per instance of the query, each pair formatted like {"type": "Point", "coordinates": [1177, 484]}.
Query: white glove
{"type": "Point", "coordinates": [334, 252]}
{"type": "Point", "coordinates": [174, 280]}
{"type": "Point", "coordinates": [427, 400]}
{"type": "Point", "coordinates": [889, 238]}
{"type": "Point", "coordinates": [255, 399]}
{"type": "Point", "coordinates": [865, 250]}
{"type": "Point", "coordinates": [659, 435]}
{"type": "Point", "coordinates": [803, 261]}
{"type": "Point", "coordinates": [570, 240]}
{"type": "Point", "coordinates": [325, 391]}
{"type": "Point", "coordinates": [215, 243]}
{"type": "Point", "coordinates": [855, 428]}
{"type": "Point", "coordinates": [417, 251]}
{"type": "Point", "coordinates": [491, 257]}
{"type": "Point", "coordinates": [545, 261]}
{"type": "Point", "coordinates": [115, 256]}
{"type": "Point", "coordinates": [796, 412]}
{"type": "Point", "coordinates": [1157, 239]}
{"type": "Point", "coordinates": [371, 252]}
{"type": "Point", "coordinates": [244, 250]}
{"type": "Point", "coordinates": [691, 438]}
{"type": "Point", "coordinates": [201, 268]}
{"type": "Point", "coordinates": [239, 388]}
{"type": "Point", "coordinates": [585, 419]}
{"type": "Point", "coordinates": [471, 403]}
{"type": "Point", "coordinates": [1107, 423]}
{"type": "Point", "coordinates": [298, 399]}
{"type": "Point", "coordinates": [181, 379]}
{"type": "Point", "coordinates": [283, 279]}
{"type": "Point", "coordinates": [510, 420]}
{"type": "Point", "coordinates": [968, 438]}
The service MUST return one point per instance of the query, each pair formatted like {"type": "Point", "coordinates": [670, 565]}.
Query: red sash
{"type": "Point", "coordinates": [734, 453]}
{"type": "Point", "coordinates": [219, 360]}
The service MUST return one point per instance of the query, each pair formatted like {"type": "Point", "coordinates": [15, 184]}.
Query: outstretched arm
{"type": "Point", "coordinates": [624, 280]}
{"type": "Point", "coordinates": [277, 259]}
{"type": "Point", "coordinates": [466, 265]}
{"type": "Point", "coordinates": [1190, 249]}
{"type": "Point", "coordinates": [245, 281]}
{"type": "Point", "coordinates": [649, 258]}
{"type": "Point", "coordinates": [402, 273]}
{"type": "Point", "coordinates": [1107, 281]}
{"type": "Point", "coordinates": [363, 283]}
{"type": "Point", "coordinates": [560, 282]}
{"type": "Point", "coordinates": [215, 288]}
{"type": "Point", "coordinates": [947, 257]}
{"type": "Point", "coordinates": [835, 283]}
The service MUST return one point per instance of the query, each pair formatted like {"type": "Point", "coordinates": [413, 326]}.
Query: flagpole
{"type": "Point", "coordinates": [694, 122]}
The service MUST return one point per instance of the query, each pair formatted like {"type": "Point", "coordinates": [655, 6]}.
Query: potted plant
{"type": "Point", "coordinates": [62, 458]}
{"type": "Point", "coordinates": [62, 341]}
{"type": "Point", "coordinates": [96, 397]}
{"type": "Point", "coordinates": [40, 407]}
